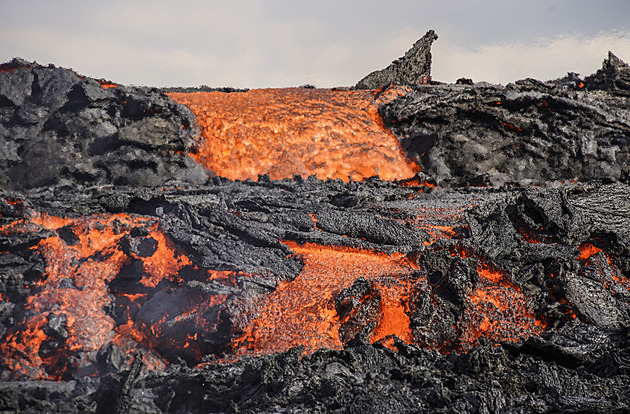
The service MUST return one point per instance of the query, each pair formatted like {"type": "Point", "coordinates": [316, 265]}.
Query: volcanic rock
{"type": "Point", "coordinates": [413, 68]}
{"type": "Point", "coordinates": [82, 131]}
{"type": "Point", "coordinates": [358, 306]}
{"type": "Point", "coordinates": [526, 132]}
{"type": "Point", "coordinates": [614, 76]}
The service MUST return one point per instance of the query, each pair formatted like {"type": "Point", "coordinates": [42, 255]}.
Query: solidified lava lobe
{"type": "Point", "coordinates": [284, 132]}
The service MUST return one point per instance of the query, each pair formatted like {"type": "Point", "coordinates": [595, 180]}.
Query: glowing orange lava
{"type": "Point", "coordinates": [287, 132]}
{"type": "Point", "coordinates": [607, 271]}
{"type": "Point", "coordinates": [106, 84]}
{"type": "Point", "coordinates": [588, 250]}
{"type": "Point", "coordinates": [126, 263]}
{"type": "Point", "coordinates": [82, 258]}
{"type": "Point", "coordinates": [414, 183]}
{"type": "Point", "coordinates": [302, 312]}
{"type": "Point", "coordinates": [498, 313]}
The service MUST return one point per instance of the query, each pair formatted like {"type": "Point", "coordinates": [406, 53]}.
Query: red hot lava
{"type": "Point", "coordinates": [116, 281]}
{"type": "Point", "coordinates": [302, 312]}
{"type": "Point", "coordinates": [284, 132]}
{"type": "Point", "coordinates": [66, 320]}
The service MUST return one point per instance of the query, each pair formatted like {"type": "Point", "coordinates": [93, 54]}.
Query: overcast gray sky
{"type": "Point", "coordinates": [327, 43]}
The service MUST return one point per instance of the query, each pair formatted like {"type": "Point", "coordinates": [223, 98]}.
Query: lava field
{"type": "Point", "coordinates": [402, 245]}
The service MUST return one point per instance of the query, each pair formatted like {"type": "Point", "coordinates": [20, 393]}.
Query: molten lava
{"type": "Point", "coordinates": [287, 132]}
{"type": "Point", "coordinates": [588, 250]}
{"type": "Point", "coordinates": [66, 322]}
{"type": "Point", "coordinates": [302, 311]}
{"type": "Point", "coordinates": [106, 84]}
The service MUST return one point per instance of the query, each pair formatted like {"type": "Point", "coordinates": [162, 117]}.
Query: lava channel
{"type": "Point", "coordinates": [296, 131]}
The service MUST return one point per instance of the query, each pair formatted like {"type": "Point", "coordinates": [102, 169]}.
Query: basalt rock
{"type": "Point", "coordinates": [614, 76]}
{"type": "Point", "coordinates": [535, 235]}
{"type": "Point", "coordinates": [58, 127]}
{"type": "Point", "coordinates": [413, 68]}
{"type": "Point", "coordinates": [526, 132]}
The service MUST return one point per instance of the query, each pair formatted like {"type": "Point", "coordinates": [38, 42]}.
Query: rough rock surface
{"type": "Point", "coordinates": [614, 76]}
{"type": "Point", "coordinates": [80, 131]}
{"type": "Point", "coordinates": [413, 68]}
{"type": "Point", "coordinates": [528, 132]}
{"type": "Point", "coordinates": [578, 364]}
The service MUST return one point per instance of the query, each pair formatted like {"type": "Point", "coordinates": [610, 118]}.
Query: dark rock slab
{"type": "Point", "coordinates": [57, 127]}
{"type": "Point", "coordinates": [413, 68]}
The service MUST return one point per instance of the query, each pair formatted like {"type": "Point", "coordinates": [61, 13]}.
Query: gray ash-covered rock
{"type": "Point", "coordinates": [57, 127]}
{"type": "Point", "coordinates": [413, 68]}
{"type": "Point", "coordinates": [525, 132]}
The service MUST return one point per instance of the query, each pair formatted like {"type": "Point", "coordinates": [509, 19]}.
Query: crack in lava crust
{"type": "Point", "coordinates": [284, 132]}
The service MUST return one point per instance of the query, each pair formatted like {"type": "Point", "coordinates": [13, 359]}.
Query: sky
{"type": "Point", "coordinates": [326, 43]}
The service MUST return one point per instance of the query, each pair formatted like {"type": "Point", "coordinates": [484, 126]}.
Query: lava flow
{"type": "Point", "coordinates": [342, 292]}
{"type": "Point", "coordinates": [286, 132]}
{"type": "Point", "coordinates": [303, 312]}
{"type": "Point", "coordinates": [110, 280]}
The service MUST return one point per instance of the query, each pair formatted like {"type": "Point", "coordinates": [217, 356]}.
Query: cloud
{"type": "Point", "coordinates": [542, 59]}
{"type": "Point", "coordinates": [276, 43]}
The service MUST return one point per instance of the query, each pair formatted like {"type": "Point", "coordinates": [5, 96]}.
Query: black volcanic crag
{"type": "Point", "coordinates": [464, 136]}
{"type": "Point", "coordinates": [413, 68]}
{"type": "Point", "coordinates": [526, 132]}
{"type": "Point", "coordinates": [77, 132]}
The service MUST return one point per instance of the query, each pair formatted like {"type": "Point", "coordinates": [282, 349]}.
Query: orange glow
{"type": "Point", "coordinates": [85, 255]}
{"type": "Point", "coordinates": [581, 85]}
{"type": "Point", "coordinates": [302, 312]}
{"type": "Point", "coordinates": [436, 232]}
{"type": "Point", "coordinates": [498, 313]}
{"type": "Point", "coordinates": [287, 132]}
{"type": "Point", "coordinates": [75, 290]}
{"type": "Point", "coordinates": [106, 84]}
{"type": "Point", "coordinates": [530, 237]}
{"type": "Point", "coordinates": [588, 250]}
{"type": "Point", "coordinates": [80, 305]}
{"type": "Point", "coordinates": [491, 274]}
{"type": "Point", "coordinates": [511, 127]}
{"type": "Point", "coordinates": [498, 310]}
{"type": "Point", "coordinates": [395, 308]}
{"type": "Point", "coordinates": [617, 281]}
{"type": "Point", "coordinates": [416, 183]}
{"type": "Point", "coordinates": [13, 202]}
{"type": "Point", "coordinates": [164, 263]}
